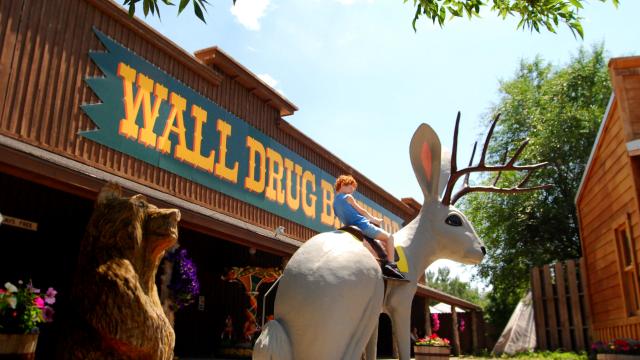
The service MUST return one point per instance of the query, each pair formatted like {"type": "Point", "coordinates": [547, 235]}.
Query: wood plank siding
{"type": "Point", "coordinates": [607, 201]}
{"type": "Point", "coordinates": [44, 59]}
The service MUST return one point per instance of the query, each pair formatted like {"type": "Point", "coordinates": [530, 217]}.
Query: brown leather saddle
{"type": "Point", "coordinates": [357, 233]}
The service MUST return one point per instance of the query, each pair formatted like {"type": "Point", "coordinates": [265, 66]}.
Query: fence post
{"type": "Point", "coordinates": [576, 314]}
{"type": "Point", "coordinates": [538, 309]}
{"type": "Point", "coordinates": [562, 307]}
{"type": "Point", "coordinates": [551, 307]}
{"type": "Point", "coordinates": [585, 298]}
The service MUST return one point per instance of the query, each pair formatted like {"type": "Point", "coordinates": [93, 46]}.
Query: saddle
{"type": "Point", "coordinates": [357, 233]}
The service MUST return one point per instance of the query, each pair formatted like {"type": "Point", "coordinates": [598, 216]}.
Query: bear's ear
{"type": "Point", "coordinates": [109, 192]}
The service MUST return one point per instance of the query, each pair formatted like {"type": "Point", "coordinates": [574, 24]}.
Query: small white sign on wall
{"type": "Point", "coordinates": [16, 222]}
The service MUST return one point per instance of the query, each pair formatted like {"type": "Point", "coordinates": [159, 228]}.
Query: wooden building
{"type": "Point", "coordinates": [89, 95]}
{"type": "Point", "coordinates": [607, 205]}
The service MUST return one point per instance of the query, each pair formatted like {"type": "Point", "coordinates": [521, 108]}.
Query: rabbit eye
{"type": "Point", "coordinates": [453, 220]}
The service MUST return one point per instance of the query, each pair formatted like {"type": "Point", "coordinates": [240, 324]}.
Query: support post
{"type": "Point", "coordinates": [456, 335]}
{"type": "Point", "coordinates": [474, 331]}
{"type": "Point", "coordinates": [427, 317]}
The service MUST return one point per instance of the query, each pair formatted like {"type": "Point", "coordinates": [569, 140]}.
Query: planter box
{"type": "Point", "coordinates": [618, 357]}
{"type": "Point", "coordinates": [423, 352]}
{"type": "Point", "coordinates": [18, 346]}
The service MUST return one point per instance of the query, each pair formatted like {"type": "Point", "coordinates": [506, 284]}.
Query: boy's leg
{"type": "Point", "coordinates": [388, 244]}
{"type": "Point", "coordinates": [389, 268]}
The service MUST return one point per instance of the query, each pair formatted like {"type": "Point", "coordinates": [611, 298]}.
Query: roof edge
{"type": "Point", "coordinates": [587, 168]}
{"type": "Point", "coordinates": [116, 12]}
{"type": "Point", "coordinates": [441, 296]}
{"type": "Point", "coordinates": [238, 72]}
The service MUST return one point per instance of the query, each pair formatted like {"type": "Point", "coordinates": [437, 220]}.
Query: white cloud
{"type": "Point", "coordinates": [269, 80]}
{"type": "Point", "coordinates": [351, 2]}
{"type": "Point", "coordinates": [249, 12]}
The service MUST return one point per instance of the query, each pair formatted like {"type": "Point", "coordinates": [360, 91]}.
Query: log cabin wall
{"type": "Point", "coordinates": [607, 204]}
{"type": "Point", "coordinates": [44, 59]}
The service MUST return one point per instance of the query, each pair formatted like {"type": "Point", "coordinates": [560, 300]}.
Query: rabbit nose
{"type": "Point", "coordinates": [484, 251]}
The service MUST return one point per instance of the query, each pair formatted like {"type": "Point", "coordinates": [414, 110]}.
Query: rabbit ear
{"type": "Point", "coordinates": [425, 159]}
{"type": "Point", "coordinates": [445, 170]}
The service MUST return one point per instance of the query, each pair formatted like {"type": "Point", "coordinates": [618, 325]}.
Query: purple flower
{"type": "Point", "coordinates": [50, 296]}
{"type": "Point", "coordinates": [47, 313]}
{"type": "Point", "coordinates": [31, 289]}
{"type": "Point", "coordinates": [184, 282]}
{"type": "Point", "coordinates": [462, 325]}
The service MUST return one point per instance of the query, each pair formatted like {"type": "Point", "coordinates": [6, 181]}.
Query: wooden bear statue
{"type": "Point", "coordinates": [117, 313]}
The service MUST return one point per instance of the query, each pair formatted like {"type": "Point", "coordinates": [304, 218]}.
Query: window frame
{"type": "Point", "coordinates": [621, 230]}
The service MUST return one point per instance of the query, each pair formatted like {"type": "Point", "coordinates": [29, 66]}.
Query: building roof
{"type": "Point", "coordinates": [438, 295]}
{"type": "Point", "coordinates": [216, 57]}
{"type": "Point", "coordinates": [627, 98]}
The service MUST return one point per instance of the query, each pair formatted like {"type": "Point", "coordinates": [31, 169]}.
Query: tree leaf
{"type": "Point", "coordinates": [182, 5]}
{"type": "Point", "coordinates": [198, 11]}
{"type": "Point", "coordinates": [576, 3]}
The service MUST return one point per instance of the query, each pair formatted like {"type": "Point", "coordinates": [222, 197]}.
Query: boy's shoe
{"type": "Point", "coordinates": [390, 271]}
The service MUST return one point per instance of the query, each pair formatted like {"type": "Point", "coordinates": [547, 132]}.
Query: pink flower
{"type": "Point", "coordinates": [39, 302]}
{"type": "Point", "coordinates": [436, 322]}
{"type": "Point", "coordinates": [50, 296]}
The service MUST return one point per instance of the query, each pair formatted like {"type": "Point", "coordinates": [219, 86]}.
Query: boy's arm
{"type": "Point", "coordinates": [362, 210]}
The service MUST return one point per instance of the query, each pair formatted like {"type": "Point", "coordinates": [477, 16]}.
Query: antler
{"type": "Point", "coordinates": [448, 199]}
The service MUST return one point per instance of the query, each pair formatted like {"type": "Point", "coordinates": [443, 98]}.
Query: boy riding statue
{"type": "Point", "coordinates": [351, 213]}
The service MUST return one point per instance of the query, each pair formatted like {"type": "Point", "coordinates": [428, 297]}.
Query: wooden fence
{"type": "Point", "coordinates": [560, 306]}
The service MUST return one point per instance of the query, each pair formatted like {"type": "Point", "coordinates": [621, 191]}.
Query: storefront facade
{"type": "Point", "coordinates": [89, 95]}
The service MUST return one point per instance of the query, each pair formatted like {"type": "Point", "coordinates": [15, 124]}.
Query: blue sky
{"type": "Point", "coordinates": [363, 80]}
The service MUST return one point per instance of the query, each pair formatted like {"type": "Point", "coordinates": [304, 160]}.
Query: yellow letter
{"type": "Point", "coordinates": [326, 216]}
{"type": "Point", "coordinates": [293, 201]}
{"type": "Point", "coordinates": [178, 105]}
{"type": "Point", "coordinates": [128, 127]}
{"type": "Point", "coordinates": [221, 169]}
{"type": "Point", "coordinates": [250, 182]}
{"type": "Point", "coordinates": [199, 161]}
{"type": "Point", "coordinates": [274, 186]}
{"type": "Point", "coordinates": [309, 208]}
{"type": "Point", "coordinates": [146, 136]}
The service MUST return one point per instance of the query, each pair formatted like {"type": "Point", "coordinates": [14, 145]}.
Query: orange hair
{"type": "Point", "coordinates": [344, 180]}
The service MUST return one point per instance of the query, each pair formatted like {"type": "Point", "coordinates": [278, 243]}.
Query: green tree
{"type": "Point", "coordinates": [534, 14]}
{"type": "Point", "coordinates": [151, 6]}
{"type": "Point", "coordinates": [560, 110]}
{"type": "Point", "coordinates": [454, 286]}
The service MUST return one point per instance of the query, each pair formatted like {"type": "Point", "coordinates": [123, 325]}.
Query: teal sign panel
{"type": "Point", "coordinates": [153, 117]}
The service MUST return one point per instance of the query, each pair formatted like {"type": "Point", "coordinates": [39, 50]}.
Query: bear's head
{"type": "Point", "coordinates": [129, 229]}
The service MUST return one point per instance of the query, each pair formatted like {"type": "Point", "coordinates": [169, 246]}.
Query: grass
{"type": "Point", "coordinates": [542, 355]}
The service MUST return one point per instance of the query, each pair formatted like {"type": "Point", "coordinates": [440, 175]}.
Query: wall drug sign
{"type": "Point", "coordinates": [153, 117]}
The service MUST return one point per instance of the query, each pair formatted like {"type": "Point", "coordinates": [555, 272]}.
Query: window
{"type": "Point", "coordinates": [628, 268]}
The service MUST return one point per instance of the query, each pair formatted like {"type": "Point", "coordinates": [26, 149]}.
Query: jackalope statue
{"type": "Point", "coordinates": [332, 291]}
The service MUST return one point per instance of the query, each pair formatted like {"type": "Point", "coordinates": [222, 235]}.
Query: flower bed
{"type": "Point", "coordinates": [431, 348]}
{"type": "Point", "coordinates": [22, 309]}
{"type": "Point", "coordinates": [617, 349]}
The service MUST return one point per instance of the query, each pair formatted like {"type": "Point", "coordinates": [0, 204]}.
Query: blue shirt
{"type": "Point", "coordinates": [347, 214]}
